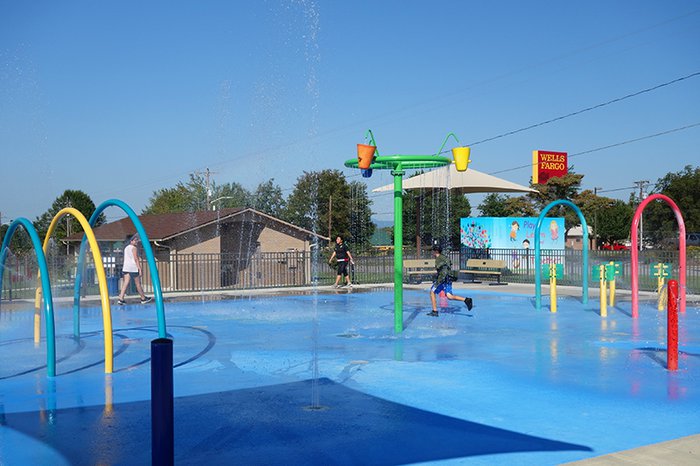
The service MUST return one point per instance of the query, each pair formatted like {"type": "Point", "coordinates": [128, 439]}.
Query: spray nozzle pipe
{"type": "Point", "coordinates": [369, 137]}
{"type": "Point", "coordinates": [445, 142]}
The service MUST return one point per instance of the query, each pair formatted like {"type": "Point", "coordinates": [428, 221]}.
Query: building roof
{"type": "Point", "coordinates": [577, 230]}
{"type": "Point", "coordinates": [163, 227]}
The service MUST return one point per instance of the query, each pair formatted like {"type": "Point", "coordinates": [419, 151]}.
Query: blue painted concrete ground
{"type": "Point", "coordinates": [322, 379]}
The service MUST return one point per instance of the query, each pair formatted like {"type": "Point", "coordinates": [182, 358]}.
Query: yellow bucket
{"type": "Point", "coordinates": [461, 156]}
{"type": "Point", "coordinates": [365, 155]}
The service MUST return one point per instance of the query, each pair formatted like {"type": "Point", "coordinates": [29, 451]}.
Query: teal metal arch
{"type": "Point", "coordinates": [148, 251]}
{"type": "Point", "coordinates": [45, 286]}
{"type": "Point", "coordinates": [538, 257]}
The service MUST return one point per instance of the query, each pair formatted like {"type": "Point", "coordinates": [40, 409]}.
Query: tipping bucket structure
{"type": "Point", "coordinates": [398, 164]}
{"type": "Point", "coordinates": [461, 157]}
{"type": "Point", "coordinates": [365, 155]}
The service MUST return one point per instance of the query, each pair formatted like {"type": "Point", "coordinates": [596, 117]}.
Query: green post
{"type": "Point", "coordinates": [398, 249]}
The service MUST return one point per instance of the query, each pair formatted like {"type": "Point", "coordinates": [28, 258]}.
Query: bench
{"type": "Point", "coordinates": [484, 267]}
{"type": "Point", "coordinates": [416, 270]}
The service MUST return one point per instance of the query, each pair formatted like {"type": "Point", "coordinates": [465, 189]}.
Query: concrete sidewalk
{"type": "Point", "coordinates": [680, 452]}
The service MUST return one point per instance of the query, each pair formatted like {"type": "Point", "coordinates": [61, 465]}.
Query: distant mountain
{"type": "Point", "coordinates": [383, 223]}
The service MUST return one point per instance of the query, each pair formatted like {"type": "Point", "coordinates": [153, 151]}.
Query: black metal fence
{"type": "Point", "coordinates": [211, 272]}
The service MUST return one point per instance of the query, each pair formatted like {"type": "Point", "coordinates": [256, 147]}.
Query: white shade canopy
{"type": "Point", "coordinates": [469, 181]}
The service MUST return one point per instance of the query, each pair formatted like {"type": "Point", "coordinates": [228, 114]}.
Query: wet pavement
{"type": "Point", "coordinates": [320, 378]}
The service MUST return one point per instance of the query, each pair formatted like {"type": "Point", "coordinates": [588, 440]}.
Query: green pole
{"type": "Point", "coordinates": [398, 249]}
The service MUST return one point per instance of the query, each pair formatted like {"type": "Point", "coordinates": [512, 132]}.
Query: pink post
{"type": "Point", "coordinates": [634, 234]}
{"type": "Point", "coordinates": [672, 327]}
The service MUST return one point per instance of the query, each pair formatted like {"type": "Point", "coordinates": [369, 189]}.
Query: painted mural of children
{"type": "Point", "coordinates": [514, 227]}
{"type": "Point", "coordinates": [554, 230]}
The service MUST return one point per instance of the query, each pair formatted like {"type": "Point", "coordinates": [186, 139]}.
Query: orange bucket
{"type": "Point", "coordinates": [461, 156]}
{"type": "Point", "coordinates": [365, 155]}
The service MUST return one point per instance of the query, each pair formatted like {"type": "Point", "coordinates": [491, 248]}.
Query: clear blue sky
{"type": "Point", "coordinates": [119, 99]}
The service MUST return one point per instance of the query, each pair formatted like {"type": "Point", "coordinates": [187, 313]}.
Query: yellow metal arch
{"type": "Point", "coordinates": [101, 280]}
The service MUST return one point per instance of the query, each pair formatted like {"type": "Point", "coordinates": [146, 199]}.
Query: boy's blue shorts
{"type": "Point", "coordinates": [444, 286]}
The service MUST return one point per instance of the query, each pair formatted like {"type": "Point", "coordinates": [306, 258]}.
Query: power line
{"type": "Point", "coordinates": [588, 109]}
{"type": "Point", "coordinates": [609, 146]}
{"type": "Point", "coordinates": [627, 188]}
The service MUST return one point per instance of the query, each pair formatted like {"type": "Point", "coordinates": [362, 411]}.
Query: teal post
{"type": "Point", "coordinates": [398, 249]}
{"type": "Point", "coordinates": [45, 286]}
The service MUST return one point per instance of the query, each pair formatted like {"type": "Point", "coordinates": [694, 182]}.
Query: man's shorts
{"type": "Point", "coordinates": [343, 268]}
{"type": "Point", "coordinates": [444, 286]}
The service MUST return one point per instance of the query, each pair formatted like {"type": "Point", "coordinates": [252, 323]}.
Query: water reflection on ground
{"type": "Point", "coordinates": [582, 384]}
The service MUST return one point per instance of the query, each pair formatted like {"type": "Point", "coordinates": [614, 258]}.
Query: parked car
{"type": "Point", "coordinates": [615, 246]}
{"type": "Point", "coordinates": [692, 239]}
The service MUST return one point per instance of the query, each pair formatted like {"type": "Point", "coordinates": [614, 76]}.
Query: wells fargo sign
{"type": "Point", "coordinates": [547, 164]}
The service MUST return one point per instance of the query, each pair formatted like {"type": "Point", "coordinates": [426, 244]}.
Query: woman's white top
{"type": "Point", "coordinates": [129, 261]}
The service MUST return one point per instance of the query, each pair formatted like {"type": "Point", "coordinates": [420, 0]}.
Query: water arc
{"type": "Point", "coordinates": [538, 257]}
{"type": "Point", "coordinates": [148, 251]}
{"type": "Point", "coordinates": [45, 286]}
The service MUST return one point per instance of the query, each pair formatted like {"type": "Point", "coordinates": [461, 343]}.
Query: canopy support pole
{"type": "Point", "coordinates": [398, 249]}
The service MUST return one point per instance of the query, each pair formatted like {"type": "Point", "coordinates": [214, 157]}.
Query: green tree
{"type": "Point", "coordinates": [609, 218]}
{"type": "Point", "coordinates": [494, 205]}
{"type": "Point", "coordinates": [324, 202]}
{"type": "Point", "coordinates": [434, 215]}
{"type": "Point", "coordinates": [192, 196]}
{"type": "Point", "coordinates": [166, 200]}
{"type": "Point", "coordinates": [683, 187]}
{"type": "Point", "coordinates": [69, 225]}
{"type": "Point", "coordinates": [501, 205]}
{"type": "Point", "coordinates": [361, 226]}
{"type": "Point", "coordinates": [566, 187]}
{"type": "Point", "coordinates": [614, 224]}
{"type": "Point", "coordinates": [20, 242]}
{"type": "Point", "coordinates": [268, 198]}
{"type": "Point", "coordinates": [230, 195]}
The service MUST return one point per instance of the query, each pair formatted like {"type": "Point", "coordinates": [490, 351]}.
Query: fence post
{"type": "Point", "coordinates": [192, 271]}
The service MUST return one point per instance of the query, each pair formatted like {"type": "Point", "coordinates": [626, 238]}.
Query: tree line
{"type": "Point", "coordinates": [327, 203]}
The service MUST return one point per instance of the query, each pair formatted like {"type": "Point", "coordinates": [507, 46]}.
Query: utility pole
{"type": "Point", "coordinates": [642, 195]}
{"type": "Point", "coordinates": [207, 180]}
{"type": "Point", "coordinates": [208, 190]}
{"type": "Point", "coordinates": [595, 219]}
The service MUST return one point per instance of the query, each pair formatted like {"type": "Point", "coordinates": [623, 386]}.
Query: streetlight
{"type": "Point", "coordinates": [222, 198]}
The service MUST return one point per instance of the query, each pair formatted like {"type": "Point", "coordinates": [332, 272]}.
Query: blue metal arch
{"type": "Point", "coordinates": [148, 251]}
{"type": "Point", "coordinates": [45, 286]}
{"type": "Point", "coordinates": [538, 258]}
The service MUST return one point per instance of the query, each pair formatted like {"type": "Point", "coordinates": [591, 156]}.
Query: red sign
{"type": "Point", "coordinates": [547, 164]}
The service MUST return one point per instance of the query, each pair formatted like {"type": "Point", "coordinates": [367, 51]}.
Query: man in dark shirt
{"type": "Point", "coordinates": [443, 282]}
{"type": "Point", "coordinates": [343, 256]}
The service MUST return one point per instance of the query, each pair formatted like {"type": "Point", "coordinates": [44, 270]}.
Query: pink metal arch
{"type": "Point", "coordinates": [635, 251]}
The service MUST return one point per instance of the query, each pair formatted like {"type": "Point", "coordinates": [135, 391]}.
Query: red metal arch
{"type": "Point", "coordinates": [634, 231]}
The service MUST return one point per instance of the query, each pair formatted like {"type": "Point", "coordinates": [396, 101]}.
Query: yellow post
{"type": "Point", "coordinates": [603, 293]}
{"type": "Point", "coordinates": [37, 315]}
{"type": "Point", "coordinates": [660, 274]}
{"type": "Point", "coordinates": [659, 290]}
{"type": "Point", "coordinates": [612, 286]}
{"type": "Point", "coordinates": [37, 327]}
{"type": "Point", "coordinates": [553, 287]}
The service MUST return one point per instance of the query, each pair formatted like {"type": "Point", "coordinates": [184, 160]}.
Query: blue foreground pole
{"type": "Point", "coordinates": [162, 429]}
